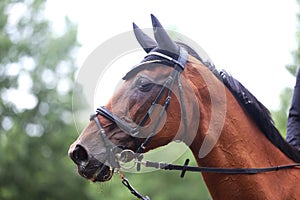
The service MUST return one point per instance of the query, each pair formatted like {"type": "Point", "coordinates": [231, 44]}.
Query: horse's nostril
{"type": "Point", "coordinates": [79, 155]}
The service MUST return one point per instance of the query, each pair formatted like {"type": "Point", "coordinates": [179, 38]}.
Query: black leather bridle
{"type": "Point", "coordinates": [178, 65]}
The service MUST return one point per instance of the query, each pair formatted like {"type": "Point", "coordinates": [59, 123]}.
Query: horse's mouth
{"type": "Point", "coordinates": [96, 172]}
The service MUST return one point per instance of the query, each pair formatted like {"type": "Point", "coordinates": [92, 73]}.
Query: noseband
{"type": "Point", "coordinates": [178, 65]}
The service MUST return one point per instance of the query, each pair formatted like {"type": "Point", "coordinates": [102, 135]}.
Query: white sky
{"type": "Point", "coordinates": [252, 40]}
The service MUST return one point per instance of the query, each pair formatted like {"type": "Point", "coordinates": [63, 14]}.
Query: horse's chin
{"type": "Point", "coordinates": [96, 171]}
{"type": "Point", "coordinates": [102, 175]}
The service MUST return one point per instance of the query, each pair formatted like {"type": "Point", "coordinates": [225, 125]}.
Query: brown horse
{"type": "Point", "coordinates": [173, 95]}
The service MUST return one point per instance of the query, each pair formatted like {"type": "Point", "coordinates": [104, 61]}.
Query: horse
{"type": "Point", "coordinates": [174, 95]}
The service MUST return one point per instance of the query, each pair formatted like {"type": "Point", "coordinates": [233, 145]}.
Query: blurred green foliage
{"type": "Point", "coordinates": [36, 73]}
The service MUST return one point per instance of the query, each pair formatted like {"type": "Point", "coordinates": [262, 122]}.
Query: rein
{"type": "Point", "coordinates": [184, 168]}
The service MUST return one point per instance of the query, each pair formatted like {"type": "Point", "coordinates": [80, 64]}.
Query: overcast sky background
{"type": "Point", "coordinates": [252, 40]}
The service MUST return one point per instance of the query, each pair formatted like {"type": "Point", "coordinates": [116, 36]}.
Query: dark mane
{"type": "Point", "coordinates": [256, 110]}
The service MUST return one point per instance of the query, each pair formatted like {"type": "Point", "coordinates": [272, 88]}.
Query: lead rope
{"type": "Point", "coordinates": [133, 191]}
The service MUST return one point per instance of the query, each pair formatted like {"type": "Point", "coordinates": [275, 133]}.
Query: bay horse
{"type": "Point", "coordinates": [174, 95]}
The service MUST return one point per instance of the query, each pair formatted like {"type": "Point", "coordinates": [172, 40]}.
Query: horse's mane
{"type": "Point", "coordinates": [256, 110]}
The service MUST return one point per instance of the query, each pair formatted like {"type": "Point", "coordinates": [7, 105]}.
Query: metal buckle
{"type": "Point", "coordinates": [127, 159]}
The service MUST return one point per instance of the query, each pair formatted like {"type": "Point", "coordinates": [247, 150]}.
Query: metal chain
{"type": "Point", "coordinates": [132, 189]}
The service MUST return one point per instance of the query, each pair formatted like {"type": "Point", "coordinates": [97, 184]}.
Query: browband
{"type": "Point", "coordinates": [162, 57]}
{"type": "Point", "coordinates": [181, 61]}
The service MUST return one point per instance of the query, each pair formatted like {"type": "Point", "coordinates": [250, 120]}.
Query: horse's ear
{"type": "Point", "coordinates": [145, 41]}
{"type": "Point", "coordinates": [162, 37]}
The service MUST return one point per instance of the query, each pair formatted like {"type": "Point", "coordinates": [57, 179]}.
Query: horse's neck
{"type": "Point", "coordinates": [239, 144]}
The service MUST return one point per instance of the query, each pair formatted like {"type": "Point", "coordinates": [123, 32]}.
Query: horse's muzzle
{"type": "Point", "coordinates": [90, 168]}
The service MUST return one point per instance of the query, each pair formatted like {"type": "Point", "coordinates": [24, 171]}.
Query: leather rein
{"type": "Point", "coordinates": [116, 159]}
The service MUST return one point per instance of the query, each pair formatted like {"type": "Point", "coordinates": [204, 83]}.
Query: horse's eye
{"type": "Point", "coordinates": [144, 84]}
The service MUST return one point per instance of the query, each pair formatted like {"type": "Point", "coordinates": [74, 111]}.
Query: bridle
{"type": "Point", "coordinates": [178, 65]}
{"type": "Point", "coordinates": [114, 160]}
